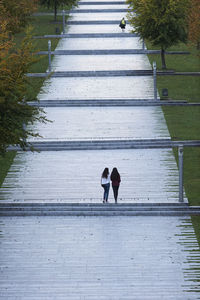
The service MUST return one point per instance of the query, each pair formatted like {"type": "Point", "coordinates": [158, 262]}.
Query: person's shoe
{"type": "Point", "coordinates": [103, 201]}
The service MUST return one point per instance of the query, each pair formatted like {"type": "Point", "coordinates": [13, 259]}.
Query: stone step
{"type": "Point", "coordinates": [47, 205]}
{"type": "Point", "coordinates": [89, 11]}
{"type": "Point", "coordinates": [109, 102]}
{"type": "Point", "coordinates": [115, 73]}
{"type": "Point", "coordinates": [80, 3]}
{"type": "Point", "coordinates": [96, 207]}
{"type": "Point", "coordinates": [98, 210]}
{"type": "Point", "coordinates": [107, 144]}
{"type": "Point", "coordinates": [109, 52]}
{"type": "Point", "coordinates": [92, 22]}
{"type": "Point", "coordinates": [88, 35]}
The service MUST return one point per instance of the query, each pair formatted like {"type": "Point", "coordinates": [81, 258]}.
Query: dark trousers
{"type": "Point", "coordinates": [115, 191]}
{"type": "Point", "coordinates": [106, 191]}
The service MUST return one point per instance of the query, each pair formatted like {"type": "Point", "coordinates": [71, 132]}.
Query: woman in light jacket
{"type": "Point", "coordinates": [105, 183]}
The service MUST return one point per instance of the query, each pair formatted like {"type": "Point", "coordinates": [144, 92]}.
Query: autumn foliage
{"type": "Point", "coordinates": [15, 13]}
{"type": "Point", "coordinates": [14, 64]}
{"type": "Point", "coordinates": [194, 23]}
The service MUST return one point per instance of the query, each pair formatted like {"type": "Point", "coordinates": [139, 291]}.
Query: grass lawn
{"type": "Point", "coordinates": [184, 122]}
{"type": "Point", "coordinates": [5, 163]}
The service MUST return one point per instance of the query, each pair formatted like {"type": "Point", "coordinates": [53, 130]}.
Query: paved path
{"type": "Point", "coordinates": [74, 176]}
{"type": "Point", "coordinates": [98, 258]}
{"type": "Point", "coordinates": [149, 175]}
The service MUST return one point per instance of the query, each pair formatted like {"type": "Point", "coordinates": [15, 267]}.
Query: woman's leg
{"type": "Point", "coordinates": [115, 192]}
{"type": "Point", "coordinates": [107, 191]}
{"type": "Point", "coordinates": [104, 194]}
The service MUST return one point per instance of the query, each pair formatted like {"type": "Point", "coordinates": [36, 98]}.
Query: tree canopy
{"type": "Point", "coordinates": [55, 4]}
{"type": "Point", "coordinates": [164, 23]}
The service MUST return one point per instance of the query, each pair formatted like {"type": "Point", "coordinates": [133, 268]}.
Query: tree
{"type": "Point", "coordinates": [163, 22]}
{"type": "Point", "coordinates": [55, 4]}
{"type": "Point", "coordinates": [15, 14]}
{"type": "Point", "coordinates": [14, 111]}
{"type": "Point", "coordinates": [194, 23]}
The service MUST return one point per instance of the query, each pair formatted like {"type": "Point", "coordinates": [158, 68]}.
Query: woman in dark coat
{"type": "Point", "coordinates": [115, 178]}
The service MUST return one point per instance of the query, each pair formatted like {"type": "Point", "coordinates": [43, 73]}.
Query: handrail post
{"type": "Point", "coordinates": [154, 81]}
{"type": "Point", "coordinates": [180, 164]}
{"type": "Point", "coordinates": [49, 54]}
{"type": "Point", "coordinates": [63, 14]}
{"type": "Point", "coordinates": [24, 124]}
{"type": "Point", "coordinates": [143, 45]}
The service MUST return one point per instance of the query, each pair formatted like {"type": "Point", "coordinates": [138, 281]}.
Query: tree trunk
{"type": "Point", "coordinates": [163, 59]}
{"type": "Point", "coordinates": [198, 45]}
{"type": "Point", "coordinates": [55, 10]}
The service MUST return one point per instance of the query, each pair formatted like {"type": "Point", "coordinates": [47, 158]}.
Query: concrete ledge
{"type": "Point", "coordinates": [179, 209]}
{"type": "Point", "coordinates": [88, 35]}
{"type": "Point", "coordinates": [89, 11]}
{"type": "Point", "coordinates": [108, 52]}
{"type": "Point", "coordinates": [109, 102]}
{"type": "Point", "coordinates": [105, 144]}
{"type": "Point", "coordinates": [80, 3]}
{"type": "Point", "coordinates": [115, 73]}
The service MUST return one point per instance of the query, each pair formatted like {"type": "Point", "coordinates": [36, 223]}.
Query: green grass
{"type": "Point", "coordinates": [5, 163]}
{"type": "Point", "coordinates": [184, 122]}
{"type": "Point", "coordinates": [196, 224]}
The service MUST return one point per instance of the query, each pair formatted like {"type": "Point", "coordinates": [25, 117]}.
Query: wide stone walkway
{"type": "Point", "coordinates": [148, 175]}
{"type": "Point", "coordinates": [97, 258]}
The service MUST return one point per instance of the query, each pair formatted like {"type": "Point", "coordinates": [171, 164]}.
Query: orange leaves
{"type": "Point", "coordinates": [194, 22]}
{"type": "Point", "coordinates": [15, 13]}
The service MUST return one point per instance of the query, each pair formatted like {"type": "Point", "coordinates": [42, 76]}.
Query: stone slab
{"type": "Point", "coordinates": [98, 88]}
{"type": "Point", "coordinates": [99, 43]}
{"type": "Point", "coordinates": [101, 6]}
{"type": "Point", "coordinates": [100, 63]}
{"type": "Point", "coordinates": [97, 29]}
{"type": "Point", "coordinates": [148, 176]}
{"type": "Point", "coordinates": [98, 258]}
{"type": "Point", "coordinates": [82, 123]}
{"type": "Point", "coordinates": [97, 16]}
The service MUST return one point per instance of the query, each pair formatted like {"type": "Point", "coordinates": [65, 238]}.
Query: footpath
{"type": "Point", "coordinates": [57, 241]}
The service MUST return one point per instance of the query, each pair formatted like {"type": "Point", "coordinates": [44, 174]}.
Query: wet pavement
{"type": "Point", "coordinates": [74, 176]}
{"type": "Point", "coordinates": [98, 258]}
{"type": "Point", "coordinates": [141, 170]}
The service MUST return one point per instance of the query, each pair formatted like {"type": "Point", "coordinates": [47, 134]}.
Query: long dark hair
{"type": "Point", "coordinates": [105, 173]}
{"type": "Point", "coordinates": [115, 174]}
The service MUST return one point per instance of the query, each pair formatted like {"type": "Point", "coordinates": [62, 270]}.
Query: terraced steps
{"type": "Point", "coordinates": [87, 35]}
{"type": "Point", "coordinates": [114, 73]}
{"type": "Point", "coordinates": [107, 144]}
{"type": "Point", "coordinates": [88, 209]}
{"type": "Point", "coordinates": [108, 52]}
{"type": "Point", "coordinates": [107, 102]}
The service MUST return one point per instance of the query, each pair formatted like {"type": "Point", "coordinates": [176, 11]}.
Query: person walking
{"type": "Point", "coordinates": [115, 178]}
{"type": "Point", "coordinates": [122, 24]}
{"type": "Point", "coordinates": [105, 183]}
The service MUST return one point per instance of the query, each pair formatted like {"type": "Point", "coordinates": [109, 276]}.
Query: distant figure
{"type": "Point", "coordinates": [115, 178]}
{"type": "Point", "coordinates": [105, 183]}
{"type": "Point", "coordinates": [122, 24]}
